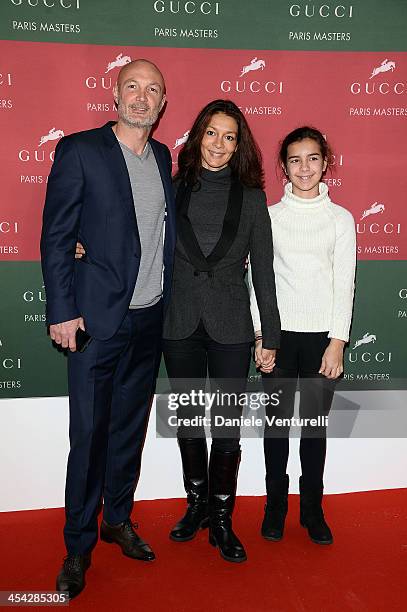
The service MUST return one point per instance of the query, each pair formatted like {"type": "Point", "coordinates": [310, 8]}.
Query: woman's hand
{"type": "Point", "coordinates": [332, 359]}
{"type": "Point", "coordinates": [80, 251]}
{"type": "Point", "coordinates": [265, 359]}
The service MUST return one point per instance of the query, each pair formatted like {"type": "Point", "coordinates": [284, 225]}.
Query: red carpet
{"type": "Point", "coordinates": [364, 570]}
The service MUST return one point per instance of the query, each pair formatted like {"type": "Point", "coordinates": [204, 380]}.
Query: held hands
{"type": "Point", "coordinates": [64, 333]}
{"type": "Point", "coordinates": [332, 359]}
{"type": "Point", "coordinates": [265, 359]}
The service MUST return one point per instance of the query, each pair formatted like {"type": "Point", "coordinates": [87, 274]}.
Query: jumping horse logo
{"type": "Point", "coordinates": [255, 64]}
{"type": "Point", "coordinates": [53, 134]}
{"type": "Point", "coordinates": [181, 141]}
{"type": "Point", "coordinates": [385, 66]}
{"type": "Point", "coordinates": [375, 208]}
{"type": "Point", "coordinates": [367, 339]}
{"type": "Point", "coordinates": [121, 60]}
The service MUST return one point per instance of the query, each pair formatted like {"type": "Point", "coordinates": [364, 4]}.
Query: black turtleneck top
{"type": "Point", "coordinates": [208, 205]}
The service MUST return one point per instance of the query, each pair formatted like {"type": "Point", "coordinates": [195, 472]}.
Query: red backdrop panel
{"type": "Point", "coordinates": [357, 100]}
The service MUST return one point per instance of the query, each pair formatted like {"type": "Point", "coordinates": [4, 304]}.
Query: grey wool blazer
{"type": "Point", "coordinates": [212, 288]}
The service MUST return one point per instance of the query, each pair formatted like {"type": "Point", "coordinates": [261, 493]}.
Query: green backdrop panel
{"type": "Point", "coordinates": [375, 359]}
{"type": "Point", "coordinates": [29, 365]}
{"type": "Point", "coordinates": [260, 24]}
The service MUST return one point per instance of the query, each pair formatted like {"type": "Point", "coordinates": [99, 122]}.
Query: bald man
{"type": "Point", "coordinates": [109, 188]}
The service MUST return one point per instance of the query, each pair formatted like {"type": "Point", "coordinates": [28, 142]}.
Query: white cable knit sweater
{"type": "Point", "coordinates": [314, 264]}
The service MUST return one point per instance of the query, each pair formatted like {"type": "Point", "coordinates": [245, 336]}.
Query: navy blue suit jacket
{"type": "Point", "coordinates": [89, 199]}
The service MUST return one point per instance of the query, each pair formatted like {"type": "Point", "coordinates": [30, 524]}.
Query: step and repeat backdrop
{"type": "Point", "coordinates": [340, 66]}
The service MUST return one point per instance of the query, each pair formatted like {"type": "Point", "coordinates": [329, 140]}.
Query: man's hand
{"type": "Point", "coordinates": [265, 358]}
{"type": "Point", "coordinates": [332, 359]}
{"type": "Point", "coordinates": [79, 251]}
{"type": "Point", "coordinates": [64, 333]}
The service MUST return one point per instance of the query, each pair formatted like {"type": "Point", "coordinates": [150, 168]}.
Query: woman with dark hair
{"type": "Point", "coordinates": [314, 264]}
{"type": "Point", "coordinates": [208, 330]}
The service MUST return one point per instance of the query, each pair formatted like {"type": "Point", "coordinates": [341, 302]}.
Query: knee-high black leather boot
{"type": "Point", "coordinates": [276, 508]}
{"type": "Point", "coordinates": [311, 513]}
{"type": "Point", "coordinates": [223, 469]}
{"type": "Point", "coordinates": [194, 455]}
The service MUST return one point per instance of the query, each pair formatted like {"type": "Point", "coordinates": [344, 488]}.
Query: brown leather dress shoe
{"type": "Point", "coordinates": [125, 536]}
{"type": "Point", "coordinates": [71, 578]}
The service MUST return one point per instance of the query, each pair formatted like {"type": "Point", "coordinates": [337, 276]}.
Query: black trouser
{"type": "Point", "coordinates": [111, 385]}
{"type": "Point", "coordinates": [189, 362]}
{"type": "Point", "coordinates": [299, 357]}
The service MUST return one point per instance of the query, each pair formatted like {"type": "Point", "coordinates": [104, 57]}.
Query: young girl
{"type": "Point", "coordinates": [314, 264]}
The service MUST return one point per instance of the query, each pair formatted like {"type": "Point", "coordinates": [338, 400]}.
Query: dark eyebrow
{"type": "Point", "coordinates": [136, 81]}
{"type": "Point", "coordinates": [214, 128]}
{"type": "Point", "coordinates": [295, 156]}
